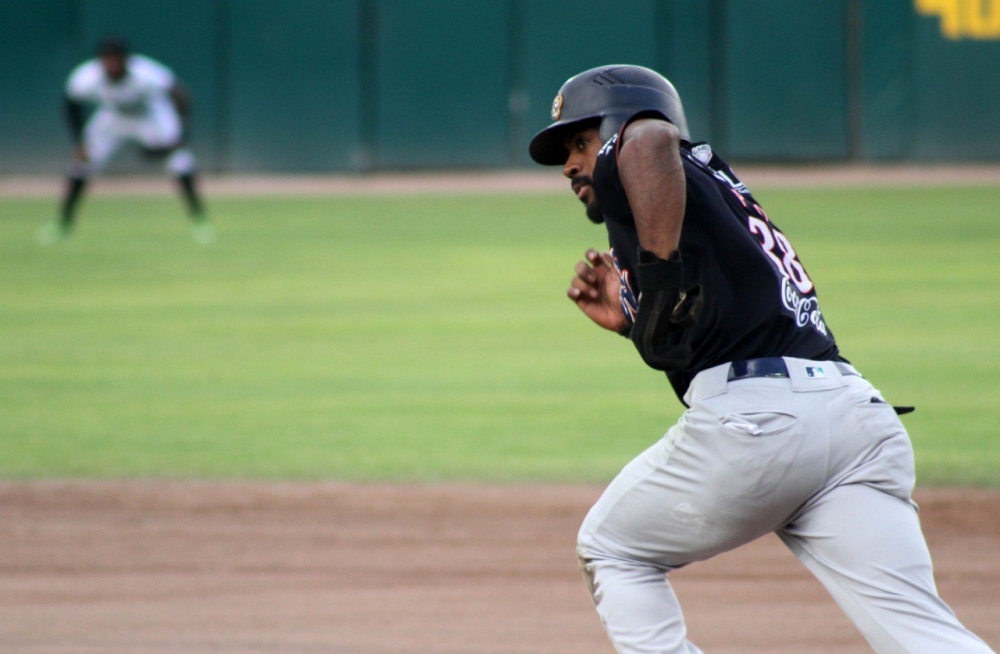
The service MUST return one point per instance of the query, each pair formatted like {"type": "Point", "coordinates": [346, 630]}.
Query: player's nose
{"type": "Point", "coordinates": [571, 168]}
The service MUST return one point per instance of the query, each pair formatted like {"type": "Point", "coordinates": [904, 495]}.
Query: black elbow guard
{"type": "Point", "coordinates": [663, 308]}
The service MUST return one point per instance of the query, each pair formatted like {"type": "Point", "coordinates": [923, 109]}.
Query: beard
{"type": "Point", "coordinates": [592, 208]}
{"type": "Point", "coordinates": [594, 213]}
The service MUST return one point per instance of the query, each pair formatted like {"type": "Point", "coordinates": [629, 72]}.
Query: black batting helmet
{"type": "Point", "coordinates": [612, 94]}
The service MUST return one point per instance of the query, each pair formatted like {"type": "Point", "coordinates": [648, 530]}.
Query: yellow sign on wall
{"type": "Point", "coordinates": [965, 19]}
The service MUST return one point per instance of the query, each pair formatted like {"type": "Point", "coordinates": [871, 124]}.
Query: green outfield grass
{"type": "Point", "coordinates": [427, 338]}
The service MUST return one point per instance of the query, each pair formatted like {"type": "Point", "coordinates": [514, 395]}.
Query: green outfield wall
{"type": "Point", "coordinates": [353, 85]}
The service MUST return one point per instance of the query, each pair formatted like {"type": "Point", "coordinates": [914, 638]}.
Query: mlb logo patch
{"type": "Point", "coordinates": [815, 372]}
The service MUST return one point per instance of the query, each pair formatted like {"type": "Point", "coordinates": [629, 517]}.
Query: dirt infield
{"type": "Point", "coordinates": [238, 567]}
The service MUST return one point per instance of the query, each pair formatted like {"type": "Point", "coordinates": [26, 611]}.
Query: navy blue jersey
{"type": "Point", "coordinates": [758, 299]}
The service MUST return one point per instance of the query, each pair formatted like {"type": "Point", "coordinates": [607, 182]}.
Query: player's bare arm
{"type": "Point", "coordinates": [652, 177]}
{"type": "Point", "coordinates": [181, 99]}
{"type": "Point", "coordinates": [651, 171]}
{"type": "Point", "coordinates": [74, 111]}
{"type": "Point", "coordinates": [595, 290]}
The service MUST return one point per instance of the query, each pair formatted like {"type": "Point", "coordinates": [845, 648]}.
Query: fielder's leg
{"type": "Point", "coordinates": [102, 138]}
{"type": "Point", "coordinates": [162, 134]}
{"type": "Point", "coordinates": [181, 163]}
{"type": "Point", "coordinates": [75, 186]}
{"type": "Point", "coordinates": [189, 191]}
{"type": "Point", "coordinates": [62, 225]}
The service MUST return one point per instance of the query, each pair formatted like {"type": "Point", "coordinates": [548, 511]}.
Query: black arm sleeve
{"type": "Point", "coordinates": [74, 116]}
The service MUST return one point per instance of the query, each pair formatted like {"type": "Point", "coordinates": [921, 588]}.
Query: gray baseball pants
{"type": "Point", "coordinates": [819, 458]}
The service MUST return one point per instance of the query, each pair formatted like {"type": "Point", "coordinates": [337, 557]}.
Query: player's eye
{"type": "Point", "coordinates": [581, 144]}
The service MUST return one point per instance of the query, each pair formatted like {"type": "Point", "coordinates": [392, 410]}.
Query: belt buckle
{"type": "Point", "coordinates": [765, 367]}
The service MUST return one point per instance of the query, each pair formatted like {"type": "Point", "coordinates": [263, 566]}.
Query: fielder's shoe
{"type": "Point", "coordinates": [203, 233]}
{"type": "Point", "coordinates": [53, 232]}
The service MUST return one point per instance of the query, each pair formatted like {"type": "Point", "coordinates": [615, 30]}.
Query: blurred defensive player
{"type": "Point", "coordinates": [137, 99]}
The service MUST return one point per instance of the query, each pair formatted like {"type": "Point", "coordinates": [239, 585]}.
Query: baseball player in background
{"type": "Point", "coordinates": [137, 99]}
{"type": "Point", "coordinates": [781, 434]}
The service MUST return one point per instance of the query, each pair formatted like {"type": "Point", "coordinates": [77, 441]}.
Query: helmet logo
{"type": "Point", "coordinates": [557, 105]}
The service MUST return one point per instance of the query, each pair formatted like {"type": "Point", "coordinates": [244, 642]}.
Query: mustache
{"type": "Point", "coordinates": [580, 181]}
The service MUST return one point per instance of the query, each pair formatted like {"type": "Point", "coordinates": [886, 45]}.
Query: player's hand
{"type": "Point", "coordinates": [595, 290]}
{"type": "Point", "coordinates": [80, 153]}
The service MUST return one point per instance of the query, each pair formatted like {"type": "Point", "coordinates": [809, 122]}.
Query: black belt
{"type": "Point", "coordinates": [773, 367]}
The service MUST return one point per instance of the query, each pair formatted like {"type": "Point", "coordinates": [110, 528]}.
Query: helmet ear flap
{"type": "Point", "coordinates": [612, 123]}
{"type": "Point", "coordinates": [627, 101]}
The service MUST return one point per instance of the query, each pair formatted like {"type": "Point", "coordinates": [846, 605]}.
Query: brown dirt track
{"type": "Point", "coordinates": [156, 566]}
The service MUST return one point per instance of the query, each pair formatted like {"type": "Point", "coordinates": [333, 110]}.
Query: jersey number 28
{"type": "Point", "coordinates": [776, 246]}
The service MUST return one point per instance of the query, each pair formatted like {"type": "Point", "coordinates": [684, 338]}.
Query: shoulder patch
{"type": "Point", "coordinates": [702, 153]}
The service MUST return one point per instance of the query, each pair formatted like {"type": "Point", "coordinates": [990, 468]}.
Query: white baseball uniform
{"type": "Point", "coordinates": [136, 108]}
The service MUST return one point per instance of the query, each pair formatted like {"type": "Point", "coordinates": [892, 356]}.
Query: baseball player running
{"type": "Point", "coordinates": [138, 99]}
{"type": "Point", "coordinates": [781, 433]}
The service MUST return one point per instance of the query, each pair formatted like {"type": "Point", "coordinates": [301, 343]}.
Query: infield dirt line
{"type": "Point", "coordinates": [503, 181]}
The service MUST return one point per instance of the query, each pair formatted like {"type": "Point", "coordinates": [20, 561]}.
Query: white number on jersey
{"type": "Point", "coordinates": [777, 247]}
